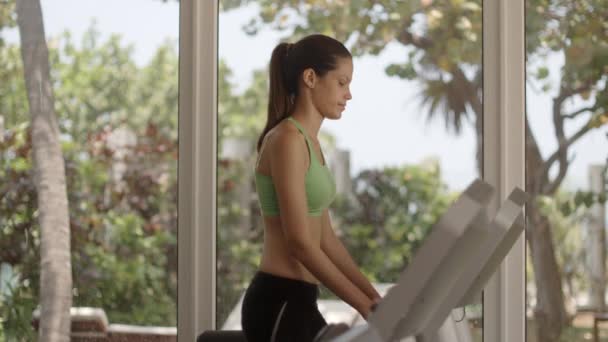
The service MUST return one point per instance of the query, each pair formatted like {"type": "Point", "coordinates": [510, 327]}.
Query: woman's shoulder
{"type": "Point", "coordinates": [284, 135]}
{"type": "Point", "coordinates": [286, 152]}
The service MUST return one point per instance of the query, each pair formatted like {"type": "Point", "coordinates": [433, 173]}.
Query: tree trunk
{"type": "Point", "coordinates": [596, 245]}
{"type": "Point", "coordinates": [550, 312]}
{"type": "Point", "coordinates": [49, 170]}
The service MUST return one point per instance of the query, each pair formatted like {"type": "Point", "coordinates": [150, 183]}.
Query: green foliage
{"type": "Point", "coordinates": [16, 312]}
{"type": "Point", "coordinates": [12, 87]}
{"type": "Point", "coordinates": [578, 30]}
{"type": "Point", "coordinates": [119, 249]}
{"type": "Point", "coordinates": [239, 236]}
{"type": "Point", "coordinates": [122, 224]}
{"type": "Point", "coordinates": [7, 17]}
{"type": "Point", "coordinates": [19, 243]}
{"type": "Point", "coordinates": [241, 115]}
{"type": "Point", "coordinates": [126, 274]}
{"type": "Point", "coordinates": [568, 212]}
{"type": "Point", "coordinates": [239, 232]}
{"type": "Point", "coordinates": [394, 210]}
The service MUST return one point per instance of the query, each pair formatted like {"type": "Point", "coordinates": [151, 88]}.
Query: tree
{"type": "Point", "coordinates": [444, 56]}
{"type": "Point", "coordinates": [55, 261]}
{"type": "Point", "coordinates": [573, 29]}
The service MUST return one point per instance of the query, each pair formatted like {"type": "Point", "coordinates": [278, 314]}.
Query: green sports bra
{"type": "Point", "coordinates": [319, 183]}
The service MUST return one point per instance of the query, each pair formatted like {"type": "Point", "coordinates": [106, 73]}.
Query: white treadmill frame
{"type": "Point", "coordinates": [504, 160]}
{"type": "Point", "coordinates": [420, 287]}
{"type": "Point", "coordinates": [431, 286]}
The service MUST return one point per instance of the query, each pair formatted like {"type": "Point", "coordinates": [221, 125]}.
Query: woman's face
{"type": "Point", "coordinates": [332, 91]}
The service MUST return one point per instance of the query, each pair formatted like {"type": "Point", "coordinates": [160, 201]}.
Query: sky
{"type": "Point", "coordinates": [383, 124]}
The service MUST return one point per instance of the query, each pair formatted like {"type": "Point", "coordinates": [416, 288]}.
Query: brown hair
{"type": "Point", "coordinates": [287, 63]}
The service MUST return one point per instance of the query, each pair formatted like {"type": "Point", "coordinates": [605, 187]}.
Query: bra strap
{"type": "Point", "coordinates": [308, 143]}
{"type": "Point", "coordinates": [298, 126]}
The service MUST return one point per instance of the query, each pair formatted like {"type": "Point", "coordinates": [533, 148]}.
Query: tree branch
{"type": "Point", "coordinates": [580, 111]}
{"type": "Point", "coordinates": [562, 150]}
{"type": "Point", "coordinates": [407, 38]}
{"type": "Point", "coordinates": [564, 92]}
{"type": "Point", "coordinates": [561, 154]}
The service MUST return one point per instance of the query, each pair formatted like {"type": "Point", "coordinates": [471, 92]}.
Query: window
{"type": "Point", "coordinates": [417, 102]}
{"type": "Point", "coordinates": [503, 159]}
{"type": "Point", "coordinates": [115, 88]}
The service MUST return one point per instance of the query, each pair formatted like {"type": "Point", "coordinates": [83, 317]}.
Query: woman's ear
{"type": "Point", "coordinates": [310, 78]}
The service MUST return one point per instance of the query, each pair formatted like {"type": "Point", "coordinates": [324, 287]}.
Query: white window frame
{"type": "Point", "coordinates": [197, 168]}
{"type": "Point", "coordinates": [504, 162]}
{"type": "Point", "coordinates": [504, 156]}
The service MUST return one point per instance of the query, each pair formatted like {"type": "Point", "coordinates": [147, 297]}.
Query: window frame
{"type": "Point", "coordinates": [197, 171]}
{"type": "Point", "coordinates": [504, 157]}
{"type": "Point", "coordinates": [503, 166]}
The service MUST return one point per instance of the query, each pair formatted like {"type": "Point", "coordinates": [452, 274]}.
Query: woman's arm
{"type": "Point", "coordinates": [338, 254]}
{"type": "Point", "coordinates": [288, 170]}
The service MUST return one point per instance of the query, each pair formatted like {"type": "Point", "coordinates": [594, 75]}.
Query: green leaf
{"type": "Point", "coordinates": [542, 73]}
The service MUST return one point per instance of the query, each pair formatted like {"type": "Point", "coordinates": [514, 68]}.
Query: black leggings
{"type": "Point", "coordinates": [278, 309]}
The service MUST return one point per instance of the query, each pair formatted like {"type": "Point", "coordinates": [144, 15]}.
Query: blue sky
{"type": "Point", "coordinates": [383, 125]}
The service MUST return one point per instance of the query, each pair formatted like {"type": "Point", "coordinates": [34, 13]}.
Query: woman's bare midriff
{"type": "Point", "coordinates": [277, 259]}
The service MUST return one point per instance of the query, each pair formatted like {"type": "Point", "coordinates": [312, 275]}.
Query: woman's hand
{"type": "Point", "coordinates": [375, 302]}
{"type": "Point", "coordinates": [368, 310]}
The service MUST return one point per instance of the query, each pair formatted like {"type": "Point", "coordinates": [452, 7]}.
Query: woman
{"type": "Point", "coordinates": [309, 82]}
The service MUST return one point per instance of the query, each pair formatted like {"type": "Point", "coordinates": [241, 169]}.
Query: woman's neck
{"type": "Point", "coordinates": [310, 119]}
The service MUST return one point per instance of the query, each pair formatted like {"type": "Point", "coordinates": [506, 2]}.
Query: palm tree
{"type": "Point", "coordinates": [55, 261]}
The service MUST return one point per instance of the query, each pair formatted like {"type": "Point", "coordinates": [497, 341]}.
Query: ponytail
{"type": "Point", "coordinates": [287, 63]}
{"type": "Point", "coordinates": [281, 92]}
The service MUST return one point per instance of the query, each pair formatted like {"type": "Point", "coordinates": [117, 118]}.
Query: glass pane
{"type": "Point", "coordinates": [566, 155]}
{"type": "Point", "coordinates": [403, 150]}
{"type": "Point", "coordinates": [114, 86]}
